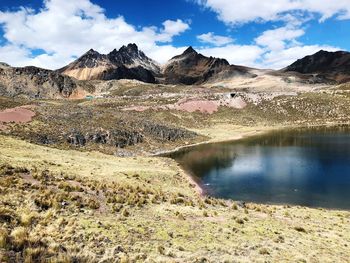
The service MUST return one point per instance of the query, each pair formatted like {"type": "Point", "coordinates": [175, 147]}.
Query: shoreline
{"type": "Point", "coordinates": [199, 190]}
{"type": "Point", "coordinates": [210, 141]}
{"type": "Point", "coordinates": [256, 130]}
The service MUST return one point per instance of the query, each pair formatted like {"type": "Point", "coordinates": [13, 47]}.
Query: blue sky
{"type": "Point", "coordinates": [265, 34]}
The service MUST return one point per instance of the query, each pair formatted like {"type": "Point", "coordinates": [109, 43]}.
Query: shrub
{"type": "Point", "coordinates": [4, 238]}
{"type": "Point", "coordinates": [161, 250]}
{"type": "Point", "coordinates": [27, 218]}
{"type": "Point", "coordinates": [300, 229]}
{"type": "Point", "coordinates": [32, 255]}
{"type": "Point", "coordinates": [240, 221]}
{"type": "Point", "coordinates": [19, 236]}
{"type": "Point", "coordinates": [264, 251]}
{"type": "Point", "coordinates": [125, 213]}
{"type": "Point", "coordinates": [93, 204]}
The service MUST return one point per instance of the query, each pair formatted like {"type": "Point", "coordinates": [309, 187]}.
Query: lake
{"type": "Point", "coordinates": [308, 167]}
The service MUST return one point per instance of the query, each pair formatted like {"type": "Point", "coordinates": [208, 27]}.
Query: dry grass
{"type": "Point", "coordinates": [92, 207]}
{"type": "Point", "coordinates": [76, 204]}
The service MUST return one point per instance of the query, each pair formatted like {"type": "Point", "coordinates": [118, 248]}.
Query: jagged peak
{"type": "Point", "coordinates": [91, 52]}
{"type": "Point", "coordinates": [189, 50]}
{"type": "Point", "coordinates": [130, 48]}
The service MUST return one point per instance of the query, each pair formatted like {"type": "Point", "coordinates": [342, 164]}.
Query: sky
{"type": "Point", "coordinates": [256, 33]}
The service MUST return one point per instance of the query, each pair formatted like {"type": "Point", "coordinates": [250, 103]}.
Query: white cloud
{"type": "Point", "coordinates": [236, 54]}
{"type": "Point", "coordinates": [165, 52]}
{"type": "Point", "coordinates": [171, 29]}
{"type": "Point", "coordinates": [275, 49]}
{"type": "Point", "coordinates": [282, 47]}
{"type": "Point", "coordinates": [277, 59]}
{"type": "Point", "coordinates": [66, 29]}
{"type": "Point", "coordinates": [215, 40]}
{"type": "Point", "coordinates": [279, 47]}
{"type": "Point", "coordinates": [14, 55]}
{"type": "Point", "coordinates": [235, 12]}
{"type": "Point", "coordinates": [276, 39]}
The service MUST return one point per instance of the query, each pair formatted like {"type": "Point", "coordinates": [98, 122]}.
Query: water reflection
{"type": "Point", "coordinates": [306, 167]}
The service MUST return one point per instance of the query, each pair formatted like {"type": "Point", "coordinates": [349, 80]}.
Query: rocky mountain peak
{"type": "Point", "coordinates": [90, 59]}
{"type": "Point", "coordinates": [192, 67]}
{"type": "Point", "coordinates": [92, 52]}
{"type": "Point", "coordinates": [129, 49]}
{"type": "Point", "coordinates": [189, 50]}
{"type": "Point", "coordinates": [331, 66]}
{"type": "Point", "coordinates": [127, 62]}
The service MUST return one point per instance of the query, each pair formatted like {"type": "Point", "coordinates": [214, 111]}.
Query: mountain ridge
{"type": "Point", "coordinates": [127, 62]}
{"type": "Point", "coordinates": [188, 68]}
{"type": "Point", "coordinates": [191, 67]}
{"type": "Point", "coordinates": [326, 65]}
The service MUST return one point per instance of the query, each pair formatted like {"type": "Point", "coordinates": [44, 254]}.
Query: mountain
{"type": "Point", "coordinates": [327, 66]}
{"type": "Point", "coordinates": [4, 65]}
{"type": "Point", "coordinates": [130, 56]}
{"type": "Point", "coordinates": [126, 63]}
{"type": "Point", "coordinates": [35, 83]}
{"type": "Point", "coordinates": [193, 68]}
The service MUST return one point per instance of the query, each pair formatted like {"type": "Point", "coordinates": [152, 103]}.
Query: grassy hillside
{"type": "Point", "coordinates": [68, 206]}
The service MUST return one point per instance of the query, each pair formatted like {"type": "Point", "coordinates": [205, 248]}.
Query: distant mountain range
{"type": "Point", "coordinates": [131, 63]}
{"type": "Point", "coordinates": [193, 68]}
{"type": "Point", "coordinates": [189, 68]}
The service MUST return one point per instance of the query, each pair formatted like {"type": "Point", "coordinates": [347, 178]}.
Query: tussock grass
{"type": "Point", "coordinates": [70, 206]}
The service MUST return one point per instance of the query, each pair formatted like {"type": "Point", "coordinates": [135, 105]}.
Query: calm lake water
{"type": "Point", "coordinates": [309, 167]}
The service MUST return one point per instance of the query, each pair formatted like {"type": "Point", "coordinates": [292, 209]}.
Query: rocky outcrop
{"type": "Point", "coordinates": [126, 63]}
{"type": "Point", "coordinates": [122, 138]}
{"type": "Point", "coordinates": [165, 133]}
{"type": "Point", "coordinates": [117, 138]}
{"type": "Point", "coordinates": [122, 72]}
{"type": "Point", "coordinates": [35, 83]}
{"type": "Point", "coordinates": [193, 68]}
{"type": "Point", "coordinates": [76, 138]}
{"type": "Point", "coordinates": [323, 67]}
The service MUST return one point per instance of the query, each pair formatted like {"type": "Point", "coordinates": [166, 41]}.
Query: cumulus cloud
{"type": "Point", "coordinates": [66, 29]}
{"type": "Point", "coordinates": [276, 39]}
{"type": "Point", "coordinates": [171, 29]}
{"type": "Point", "coordinates": [216, 40]}
{"type": "Point", "coordinates": [274, 49]}
{"type": "Point", "coordinates": [62, 30]}
{"type": "Point", "coordinates": [236, 54]}
{"type": "Point", "coordinates": [278, 47]}
{"type": "Point", "coordinates": [235, 12]}
{"type": "Point", "coordinates": [283, 48]}
{"type": "Point", "coordinates": [277, 59]}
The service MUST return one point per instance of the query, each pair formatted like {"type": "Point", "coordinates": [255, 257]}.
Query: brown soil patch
{"type": "Point", "coordinates": [21, 114]}
{"type": "Point", "coordinates": [78, 94]}
{"type": "Point", "coordinates": [203, 106]}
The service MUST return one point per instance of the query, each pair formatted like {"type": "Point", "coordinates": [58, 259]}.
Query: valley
{"type": "Point", "coordinates": [81, 180]}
